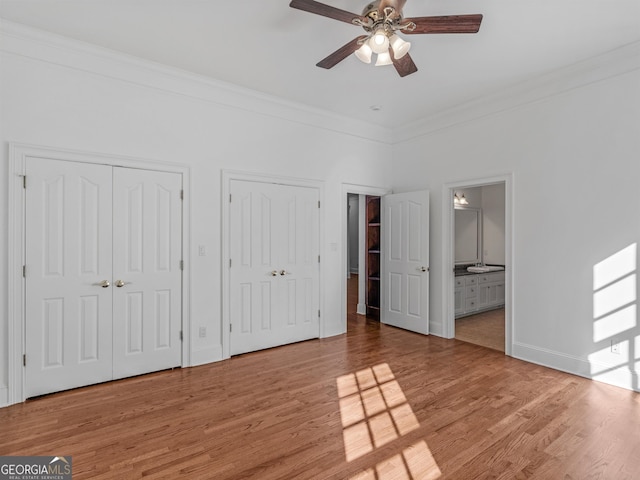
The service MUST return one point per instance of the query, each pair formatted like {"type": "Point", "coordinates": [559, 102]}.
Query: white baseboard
{"type": "Point", "coordinates": [436, 328]}
{"type": "Point", "coordinates": [361, 309]}
{"type": "Point", "coordinates": [617, 375]}
{"type": "Point", "coordinates": [4, 397]}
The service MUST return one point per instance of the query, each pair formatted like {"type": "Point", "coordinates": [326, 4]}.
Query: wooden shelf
{"type": "Point", "coordinates": [373, 257]}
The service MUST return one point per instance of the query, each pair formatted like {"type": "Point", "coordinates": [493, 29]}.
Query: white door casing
{"type": "Point", "coordinates": [68, 257]}
{"type": "Point", "coordinates": [147, 279]}
{"type": "Point", "coordinates": [274, 269]}
{"type": "Point", "coordinates": [405, 261]}
{"type": "Point", "coordinates": [90, 228]}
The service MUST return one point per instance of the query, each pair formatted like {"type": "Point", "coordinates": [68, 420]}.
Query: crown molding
{"type": "Point", "coordinates": [35, 44]}
{"type": "Point", "coordinates": [24, 41]}
{"type": "Point", "coordinates": [616, 62]}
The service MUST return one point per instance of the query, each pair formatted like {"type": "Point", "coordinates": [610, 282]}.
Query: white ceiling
{"type": "Point", "coordinates": [267, 46]}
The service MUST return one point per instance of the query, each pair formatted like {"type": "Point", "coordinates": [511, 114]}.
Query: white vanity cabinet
{"type": "Point", "coordinates": [476, 293]}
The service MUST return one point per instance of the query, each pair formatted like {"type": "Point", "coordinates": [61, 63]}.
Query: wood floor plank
{"type": "Point", "coordinates": [444, 409]}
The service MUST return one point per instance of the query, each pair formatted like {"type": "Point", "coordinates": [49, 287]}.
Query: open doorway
{"type": "Point", "coordinates": [360, 295]}
{"type": "Point", "coordinates": [363, 257]}
{"type": "Point", "coordinates": [478, 246]}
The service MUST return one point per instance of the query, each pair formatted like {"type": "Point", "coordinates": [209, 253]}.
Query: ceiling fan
{"type": "Point", "coordinates": [382, 19]}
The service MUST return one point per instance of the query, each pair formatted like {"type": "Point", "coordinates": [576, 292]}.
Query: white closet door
{"type": "Point", "coordinates": [147, 279]}
{"type": "Point", "coordinates": [405, 261]}
{"type": "Point", "coordinates": [68, 260]}
{"type": "Point", "coordinates": [274, 272]}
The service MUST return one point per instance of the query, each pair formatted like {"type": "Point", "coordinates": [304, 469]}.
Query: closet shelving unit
{"type": "Point", "coordinates": [373, 257]}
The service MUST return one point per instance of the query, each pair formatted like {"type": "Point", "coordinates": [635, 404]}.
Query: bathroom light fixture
{"type": "Point", "coordinates": [459, 200]}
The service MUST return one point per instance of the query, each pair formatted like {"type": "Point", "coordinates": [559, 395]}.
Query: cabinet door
{"type": "Point", "coordinates": [484, 296]}
{"type": "Point", "coordinates": [500, 294]}
{"type": "Point", "coordinates": [458, 300]}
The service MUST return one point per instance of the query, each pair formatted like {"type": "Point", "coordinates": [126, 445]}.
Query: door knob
{"type": "Point", "coordinates": [120, 283]}
{"type": "Point", "coordinates": [104, 284]}
{"type": "Point", "coordinates": [424, 269]}
{"type": "Point", "coordinates": [274, 273]}
{"type": "Point", "coordinates": [283, 272]}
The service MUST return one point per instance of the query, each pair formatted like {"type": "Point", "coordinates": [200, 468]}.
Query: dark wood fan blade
{"type": "Point", "coordinates": [445, 24]}
{"type": "Point", "coordinates": [340, 54]}
{"type": "Point", "coordinates": [324, 10]}
{"type": "Point", "coordinates": [404, 66]}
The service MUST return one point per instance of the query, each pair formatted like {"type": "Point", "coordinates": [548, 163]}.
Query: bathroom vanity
{"type": "Point", "coordinates": [478, 292]}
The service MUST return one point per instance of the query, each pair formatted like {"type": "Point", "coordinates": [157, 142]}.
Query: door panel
{"type": "Point", "coordinates": [75, 320]}
{"type": "Point", "coordinates": [147, 247]}
{"type": "Point", "coordinates": [68, 255]}
{"type": "Point", "coordinates": [405, 261]}
{"type": "Point", "coordinates": [274, 275]}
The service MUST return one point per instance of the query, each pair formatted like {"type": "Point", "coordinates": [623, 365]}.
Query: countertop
{"type": "Point", "coordinates": [462, 271]}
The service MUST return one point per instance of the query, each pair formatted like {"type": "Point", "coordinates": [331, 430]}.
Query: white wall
{"type": "Point", "coordinates": [353, 229]}
{"type": "Point", "coordinates": [578, 142]}
{"type": "Point", "coordinates": [574, 156]}
{"type": "Point", "coordinates": [57, 94]}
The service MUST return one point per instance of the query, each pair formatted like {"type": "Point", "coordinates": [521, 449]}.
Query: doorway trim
{"type": "Point", "coordinates": [448, 191]}
{"type": "Point", "coordinates": [16, 342]}
{"type": "Point", "coordinates": [348, 188]}
{"type": "Point", "coordinates": [227, 177]}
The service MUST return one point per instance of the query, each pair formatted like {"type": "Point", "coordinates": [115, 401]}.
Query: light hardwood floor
{"type": "Point", "coordinates": [486, 329]}
{"type": "Point", "coordinates": [378, 403]}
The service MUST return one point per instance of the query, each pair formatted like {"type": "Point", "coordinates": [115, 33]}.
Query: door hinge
{"type": "Point", "coordinates": [181, 264]}
{"type": "Point", "coordinates": [318, 203]}
{"type": "Point", "coordinates": [181, 194]}
{"type": "Point", "coordinates": [24, 181]}
{"type": "Point", "coordinates": [181, 337]}
{"type": "Point", "coordinates": [229, 198]}
{"type": "Point", "coordinates": [24, 360]}
{"type": "Point", "coordinates": [318, 313]}
{"type": "Point", "coordinates": [318, 258]}
{"type": "Point", "coordinates": [24, 271]}
{"type": "Point", "coordinates": [231, 327]}
{"type": "Point", "coordinates": [230, 262]}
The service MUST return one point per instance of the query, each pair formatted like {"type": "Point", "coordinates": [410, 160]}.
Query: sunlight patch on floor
{"type": "Point", "coordinates": [414, 463]}
{"type": "Point", "coordinates": [374, 413]}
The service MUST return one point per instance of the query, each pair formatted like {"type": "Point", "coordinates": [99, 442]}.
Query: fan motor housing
{"type": "Point", "coordinates": [381, 10]}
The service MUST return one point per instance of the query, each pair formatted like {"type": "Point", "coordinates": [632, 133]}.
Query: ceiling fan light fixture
{"type": "Point", "coordinates": [379, 42]}
{"type": "Point", "coordinates": [364, 53]}
{"type": "Point", "coordinates": [399, 46]}
{"type": "Point", "coordinates": [383, 59]}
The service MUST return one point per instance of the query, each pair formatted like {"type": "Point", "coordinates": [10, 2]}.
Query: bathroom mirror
{"type": "Point", "coordinates": [468, 235]}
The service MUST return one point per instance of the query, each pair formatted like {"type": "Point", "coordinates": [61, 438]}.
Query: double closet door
{"type": "Point", "coordinates": [274, 271]}
{"type": "Point", "coordinates": [103, 277]}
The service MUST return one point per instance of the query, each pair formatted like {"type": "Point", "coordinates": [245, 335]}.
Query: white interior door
{"type": "Point", "coordinates": [103, 277]}
{"type": "Point", "coordinates": [274, 271]}
{"type": "Point", "coordinates": [68, 261]}
{"type": "Point", "coordinates": [405, 261]}
{"type": "Point", "coordinates": [147, 279]}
